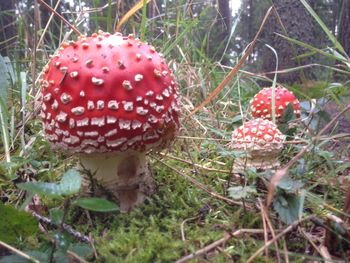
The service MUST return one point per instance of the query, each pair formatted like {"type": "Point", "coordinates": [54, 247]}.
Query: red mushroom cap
{"type": "Point", "coordinates": [257, 134]}
{"type": "Point", "coordinates": [262, 143]}
{"type": "Point", "coordinates": [108, 93]}
{"type": "Point", "coordinates": [260, 105]}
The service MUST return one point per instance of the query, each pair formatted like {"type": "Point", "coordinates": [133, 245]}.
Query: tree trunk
{"type": "Point", "coordinates": [223, 26]}
{"type": "Point", "coordinates": [7, 26]}
{"type": "Point", "coordinates": [344, 26]}
{"type": "Point", "coordinates": [299, 25]}
{"type": "Point", "coordinates": [225, 15]}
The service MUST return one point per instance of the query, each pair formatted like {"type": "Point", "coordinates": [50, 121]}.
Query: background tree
{"type": "Point", "coordinates": [344, 25]}
{"type": "Point", "coordinates": [7, 26]}
{"type": "Point", "coordinates": [298, 24]}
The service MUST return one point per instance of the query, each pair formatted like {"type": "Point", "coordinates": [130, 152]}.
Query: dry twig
{"type": "Point", "coordinates": [218, 243]}
{"type": "Point", "coordinates": [268, 222]}
{"type": "Point", "coordinates": [18, 252]}
{"type": "Point", "coordinates": [201, 186]}
{"type": "Point", "coordinates": [196, 165]}
{"type": "Point", "coordinates": [279, 235]}
{"type": "Point", "coordinates": [60, 16]}
{"type": "Point", "coordinates": [65, 227]}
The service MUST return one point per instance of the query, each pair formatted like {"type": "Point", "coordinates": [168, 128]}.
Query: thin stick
{"type": "Point", "coordinates": [217, 243]}
{"type": "Point", "coordinates": [268, 221]}
{"type": "Point", "coordinates": [18, 252]}
{"type": "Point", "coordinates": [285, 250]}
{"type": "Point", "coordinates": [182, 227]}
{"type": "Point", "coordinates": [197, 165]}
{"type": "Point", "coordinates": [75, 258]}
{"type": "Point", "coordinates": [65, 227]}
{"type": "Point", "coordinates": [285, 231]}
{"type": "Point", "coordinates": [310, 241]}
{"type": "Point", "coordinates": [337, 136]}
{"type": "Point", "coordinates": [266, 235]}
{"type": "Point", "coordinates": [201, 186]}
{"type": "Point", "coordinates": [48, 24]}
{"type": "Point", "coordinates": [61, 17]}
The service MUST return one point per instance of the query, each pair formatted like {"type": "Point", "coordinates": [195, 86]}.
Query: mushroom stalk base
{"type": "Point", "coordinates": [126, 178]}
{"type": "Point", "coordinates": [255, 159]}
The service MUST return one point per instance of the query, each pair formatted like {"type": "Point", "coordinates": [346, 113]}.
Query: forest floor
{"type": "Point", "coordinates": [201, 210]}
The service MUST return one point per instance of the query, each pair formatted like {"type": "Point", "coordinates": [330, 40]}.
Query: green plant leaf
{"type": "Point", "coordinates": [56, 215]}
{"type": "Point", "coordinates": [289, 185]}
{"type": "Point", "coordinates": [96, 204]}
{"type": "Point", "coordinates": [239, 192]}
{"type": "Point", "coordinates": [16, 225]}
{"type": "Point", "coordinates": [5, 79]}
{"type": "Point", "coordinates": [69, 185]}
{"type": "Point", "coordinates": [288, 113]}
{"type": "Point", "coordinates": [288, 207]}
{"type": "Point", "coordinates": [82, 250]}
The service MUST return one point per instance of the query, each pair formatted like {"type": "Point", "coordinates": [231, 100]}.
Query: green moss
{"type": "Point", "coordinates": [16, 225]}
{"type": "Point", "coordinates": [152, 232]}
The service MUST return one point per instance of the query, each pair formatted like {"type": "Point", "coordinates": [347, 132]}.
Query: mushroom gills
{"type": "Point", "coordinates": [124, 177]}
{"type": "Point", "coordinates": [255, 159]}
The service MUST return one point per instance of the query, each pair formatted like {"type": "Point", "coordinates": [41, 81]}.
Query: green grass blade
{"type": "Point", "coordinates": [109, 16]}
{"type": "Point", "coordinates": [233, 29]}
{"type": "Point", "coordinates": [329, 34]}
{"type": "Point", "coordinates": [273, 101]}
{"type": "Point", "coordinates": [12, 126]}
{"type": "Point", "coordinates": [4, 130]}
{"type": "Point", "coordinates": [23, 76]}
{"type": "Point", "coordinates": [4, 120]}
{"type": "Point", "coordinates": [180, 37]}
{"type": "Point", "coordinates": [143, 21]}
{"type": "Point", "coordinates": [320, 51]}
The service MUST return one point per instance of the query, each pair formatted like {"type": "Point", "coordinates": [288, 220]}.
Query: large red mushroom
{"type": "Point", "coordinates": [261, 104]}
{"type": "Point", "coordinates": [260, 142]}
{"type": "Point", "coordinates": [110, 98]}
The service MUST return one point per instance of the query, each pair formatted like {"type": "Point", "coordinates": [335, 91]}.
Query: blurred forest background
{"type": "Point", "coordinates": [203, 42]}
{"type": "Point", "coordinates": [227, 31]}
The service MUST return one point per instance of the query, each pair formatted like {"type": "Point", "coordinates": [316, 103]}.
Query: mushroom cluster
{"type": "Point", "coordinates": [259, 139]}
{"type": "Point", "coordinates": [260, 142]}
{"type": "Point", "coordinates": [110, 98]}
{"type": "Point", "coordinates": [261, 104]}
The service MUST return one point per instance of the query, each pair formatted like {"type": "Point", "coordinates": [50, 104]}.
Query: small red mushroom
{"type": "Point", "coordinates": [110, 98]}
{"type": "Point", "coordinates": [261, 104]}
{"type": "Point", "coordinates": [261, 142]}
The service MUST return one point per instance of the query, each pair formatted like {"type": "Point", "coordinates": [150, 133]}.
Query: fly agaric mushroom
{"type": "Point", "coordinates": [261, 142]}
{"type": "Point", "coordinates": [261, 104]}
{"type": "Point", "coordinates": [110, 99]}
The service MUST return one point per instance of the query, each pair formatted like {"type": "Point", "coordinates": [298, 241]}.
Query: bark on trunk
{"type": "Point", "coordinates": [299, 25]}
{"type": "Point", "coordinates": [7, 26]}
{"type": "Point", "coordinates": [344, 26]}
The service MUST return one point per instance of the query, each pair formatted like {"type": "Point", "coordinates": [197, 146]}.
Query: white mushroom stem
{"type": "Point", "coordinates": [256, 156]}
{"type": "Point", "coordinates": [125, 176]}
{"type": "Point", "coordinates": [258, 160]}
